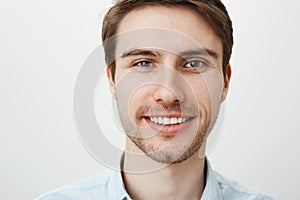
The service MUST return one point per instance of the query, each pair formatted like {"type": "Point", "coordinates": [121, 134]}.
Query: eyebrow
{"type": "Point", "coordinates": [200, 51]}
{"type": "Point", "coordinates": [186, 53]}
{"type": "Point", "coordinates": [136, 52]}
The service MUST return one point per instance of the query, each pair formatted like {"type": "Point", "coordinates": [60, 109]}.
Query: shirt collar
{"type": "Point", "coordinates": [211, 190]}
{"type": "Point", "coordinates": [117, 187]}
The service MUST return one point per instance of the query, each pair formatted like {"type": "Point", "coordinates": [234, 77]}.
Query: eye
{"type": "Point", "coordinates": [195, 64]}
{"type": "Point", "coordinates": [144, 64]}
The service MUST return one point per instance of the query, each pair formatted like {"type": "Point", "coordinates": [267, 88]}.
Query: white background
{"type": "Point", "coordinates": [43, 45]}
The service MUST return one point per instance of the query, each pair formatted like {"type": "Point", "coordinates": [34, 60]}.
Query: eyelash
{"type": "Point", "coordinates": [151, 64]}
{"type": "Point", "coordinates": [143, 61]}
{"type": "Point", "coordinates": [200, 62]}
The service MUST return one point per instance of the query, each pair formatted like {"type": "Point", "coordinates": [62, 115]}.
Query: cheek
{"type": "Point", "coordinates": [200, 95]}
{"type": "Point", "coordinates": [139, 97]}
{"type": "Point", "coordinates": [132, 99]}
{"type": "Point", "coordinates": [215, 85]}
{"type": "Point", "coordinates": [208, 88]}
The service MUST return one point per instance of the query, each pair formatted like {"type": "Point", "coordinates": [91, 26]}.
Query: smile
{"type": "Point", "coordinates": [170, 125]}
{"type": "Point", "coordinates": [168, 121]}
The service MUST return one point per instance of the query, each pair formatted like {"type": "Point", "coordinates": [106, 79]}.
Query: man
{"type": "Point", "coordinates": [169, 71]}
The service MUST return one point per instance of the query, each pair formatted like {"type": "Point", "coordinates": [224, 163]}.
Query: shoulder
{"type": "Point", "coordinates": [236, 191]}
{"type": "Point", "coordinates": [88, 188]}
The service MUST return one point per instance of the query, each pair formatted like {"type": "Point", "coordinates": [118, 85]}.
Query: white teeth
{"type": "Point", "coordinates": [179, 120]}
{"type": "Point", "coordinates": [173, 120]}
{"type": "Point", "coordinates": [167, 121]}
{"type": "Point", "coordinates": [160, 120]}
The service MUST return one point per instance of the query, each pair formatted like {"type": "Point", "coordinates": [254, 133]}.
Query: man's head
{"type": "Point", "coordinates": [213, 11]}
{"type": "Point", "coordinates": [168, 66]}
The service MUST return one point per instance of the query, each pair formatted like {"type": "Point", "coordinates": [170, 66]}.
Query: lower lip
{"type": "Point", "coordinates": [171, 129]}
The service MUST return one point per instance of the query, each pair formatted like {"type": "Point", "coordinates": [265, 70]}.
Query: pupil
{"type": "Point", "coordinates": [144, 63]}
{"type": "Point", "coordinates": [195, 63]}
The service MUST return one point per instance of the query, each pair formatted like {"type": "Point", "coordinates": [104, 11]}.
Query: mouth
{"type": "Point", "coordinates": [169, 121]}
{"type": "Point", "coordinates": [168, 125]}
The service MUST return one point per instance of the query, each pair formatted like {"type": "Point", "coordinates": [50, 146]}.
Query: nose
{"type": "Point", "coordinates": [168, 88]}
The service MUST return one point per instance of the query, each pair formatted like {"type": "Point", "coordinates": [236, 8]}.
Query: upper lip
{"type": "Point", "coordinates": [170, 115]}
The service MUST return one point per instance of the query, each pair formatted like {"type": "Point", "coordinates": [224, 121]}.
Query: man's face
{"type": "Point", "coordinates": [168, 80]}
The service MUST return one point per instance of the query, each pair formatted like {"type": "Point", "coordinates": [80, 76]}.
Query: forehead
{"type": "Point", "coordinates": [182, 20]}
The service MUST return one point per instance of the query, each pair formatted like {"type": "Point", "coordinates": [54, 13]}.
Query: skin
{"type": "Point", "coordinates": [176, 86]}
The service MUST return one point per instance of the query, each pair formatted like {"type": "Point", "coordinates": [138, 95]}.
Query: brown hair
{"type": "Point", "coordinates": [213, 11]}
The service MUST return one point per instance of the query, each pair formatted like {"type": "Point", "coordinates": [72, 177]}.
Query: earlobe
{"type": "Point", "coordinates": [226, 81]}
{"type": "Point", "coordinates": [111, 81]}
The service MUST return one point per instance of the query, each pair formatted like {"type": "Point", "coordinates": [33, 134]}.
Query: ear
{"type": "Point", "coordinates": [111, 81]}
{"type": "Point", "coordinates": [226, 82]}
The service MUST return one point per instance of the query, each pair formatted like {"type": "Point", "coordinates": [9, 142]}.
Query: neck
{"type": "Point", "coordinates": [184, 180]}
